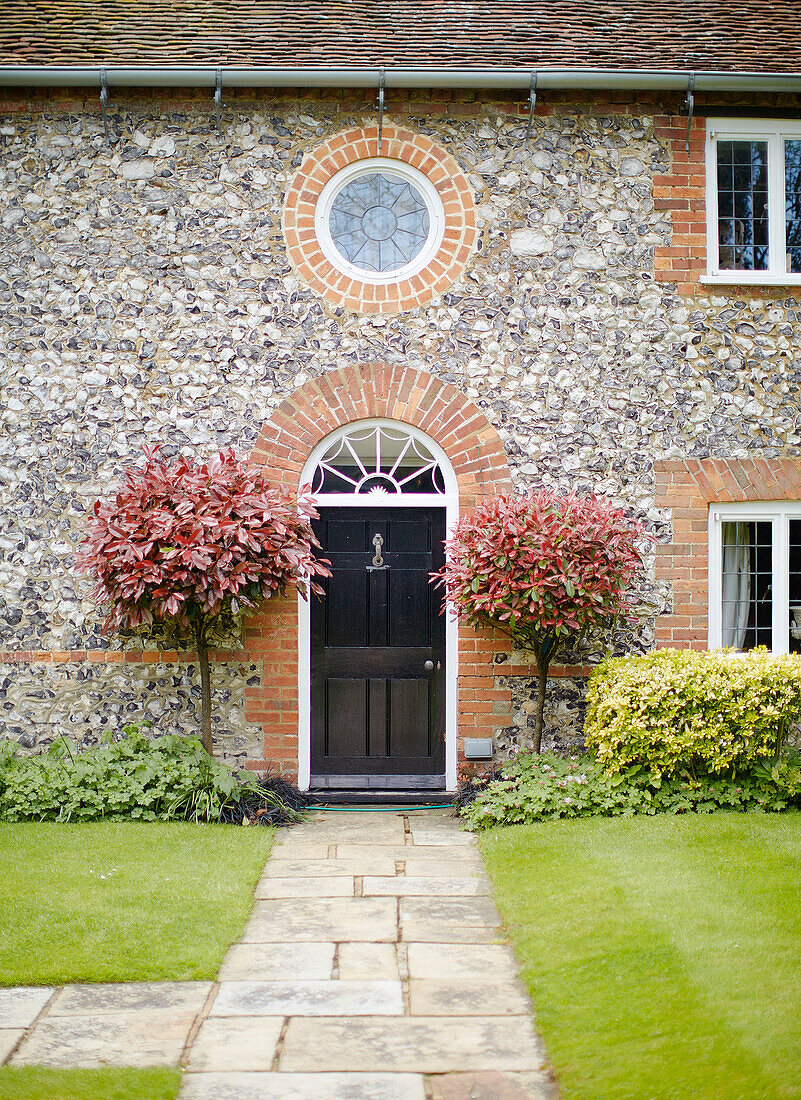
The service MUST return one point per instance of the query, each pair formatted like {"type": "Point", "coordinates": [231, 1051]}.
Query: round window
{"type": "Point", "coordinates": [379, 220]}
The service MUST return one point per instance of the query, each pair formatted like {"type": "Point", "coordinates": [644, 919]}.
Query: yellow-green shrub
{"type": "Point", "coordinates": [676, 709]}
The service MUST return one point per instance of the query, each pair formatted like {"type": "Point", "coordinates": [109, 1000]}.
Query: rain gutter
{"type": "Point", "coordinates": [497, 78]}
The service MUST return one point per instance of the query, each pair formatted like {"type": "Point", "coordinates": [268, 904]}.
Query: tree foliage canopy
{"type": "Point", "coordinates": [545, 569]}
{"type": "Point", "coordinates": [185, 539]}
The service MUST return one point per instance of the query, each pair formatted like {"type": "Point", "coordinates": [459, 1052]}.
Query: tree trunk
{"type": "Point", "coordinates": [542, 682]}
{"type": "Point", "coordinates": [205, 685]}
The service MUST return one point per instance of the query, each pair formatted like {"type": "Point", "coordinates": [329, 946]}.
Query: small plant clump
{"type": "Point", "coordinates": [549, 786]}
{"type": "Point", "coordinates": [167, 778]}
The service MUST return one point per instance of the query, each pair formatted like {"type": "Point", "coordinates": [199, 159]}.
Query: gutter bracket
{"type": "Point", "coordinates": [532, 103]}
{"type": "Point", "coordinates": [218, 103]}
{"type": "Point", "coordinates": [104, 101]}
{"type": "Point", "coordinates": [689, 103]}
{"type": "Point", "coordinates": [380, 106]}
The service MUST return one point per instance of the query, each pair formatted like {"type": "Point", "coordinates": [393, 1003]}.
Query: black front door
{"type": "Point", "coordinates": [378, 651]}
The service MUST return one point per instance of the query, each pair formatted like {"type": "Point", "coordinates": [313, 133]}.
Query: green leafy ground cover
{"type": "Point", "coordinates": [663, 954]}
{"type": "Point", "coordinates": [123, 901]}
{"type": "Point", "coordinates": [37, 1083]}
{"type": "Point", "coordinates": [533, 788]}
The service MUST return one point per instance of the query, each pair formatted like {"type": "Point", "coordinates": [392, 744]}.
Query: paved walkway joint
{"type": "Point", "coordinates": [372, 968]}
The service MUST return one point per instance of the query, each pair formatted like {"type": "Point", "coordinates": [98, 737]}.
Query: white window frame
{"type": "Point", "coordinates": [779, 514]}
{"type": "Point", "coordinates": [436, 215]}
{"type": "Point", "coordinates": [774, 131]}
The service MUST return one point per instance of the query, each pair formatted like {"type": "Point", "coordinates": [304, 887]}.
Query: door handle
{"type": "Point", "coordinates": [429, 666]}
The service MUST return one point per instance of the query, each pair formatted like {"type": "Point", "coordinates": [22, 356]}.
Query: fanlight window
{"type": "Point", "coordinates": [378, 460]}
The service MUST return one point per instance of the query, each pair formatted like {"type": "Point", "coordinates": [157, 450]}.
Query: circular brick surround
{"type": "Point", "coordinates": [403, 145]}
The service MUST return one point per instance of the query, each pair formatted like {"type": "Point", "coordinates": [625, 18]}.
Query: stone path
{"type": "Point", "coordinates": [372, 968]}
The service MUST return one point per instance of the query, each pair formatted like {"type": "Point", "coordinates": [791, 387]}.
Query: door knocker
{"type": "Point", "coordinates": [378, 542]}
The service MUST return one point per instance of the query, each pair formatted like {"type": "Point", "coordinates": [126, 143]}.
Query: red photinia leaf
{"type": "Point", "coordinates": [543, 565]}
{"type": "Point", "coordinates": [207, 537]}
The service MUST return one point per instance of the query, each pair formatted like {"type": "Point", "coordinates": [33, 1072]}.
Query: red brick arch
{"type": "Point", "coordinates": [397, 393]}
{"type": "Point", "coordinates": [477, 456]}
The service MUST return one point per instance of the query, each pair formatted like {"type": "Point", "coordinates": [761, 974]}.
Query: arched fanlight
{"type": "Point", "coordinates": [377, 460]}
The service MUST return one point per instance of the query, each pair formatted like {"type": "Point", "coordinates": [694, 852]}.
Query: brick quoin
{"type": "Point", "coordinates": [478, 458]}
{"type": "Point", "coordinates": [687, 486]}
{"type": "Point", "coordinates": [397, 143]}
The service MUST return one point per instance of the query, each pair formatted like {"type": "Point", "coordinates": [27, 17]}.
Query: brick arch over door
{"type": "Point", "coordinates": [479, 461]}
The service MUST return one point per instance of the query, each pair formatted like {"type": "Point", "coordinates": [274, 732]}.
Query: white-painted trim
{"type": "Point", "coordinates": [779, 513]}
{"type": "Point", "coordinates": [436, 214]}
{"type": "Point", "coordinates": [774, 131]}
{"type": "Point", "coordinates": [449, 500]}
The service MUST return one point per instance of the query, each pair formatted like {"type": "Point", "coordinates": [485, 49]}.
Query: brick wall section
{"type": "Point", "coordinates": [687, 487]}
{"type": "Point", "coordinates": [681, 192]}
{"type": "Point", "coordinates": [428, 157]}
{"type": "Point", "coordinates": [479, 462]}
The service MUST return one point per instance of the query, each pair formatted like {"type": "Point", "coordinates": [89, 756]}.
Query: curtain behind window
{"type": "Point", "coordinates": [737, 541]}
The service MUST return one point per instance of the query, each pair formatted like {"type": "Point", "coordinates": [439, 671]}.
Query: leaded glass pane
{"type": "Point", "coordinates": [747, 584]}
{"type": "Point", "coordinates": [379, 222]}
{"type": "Point", "coordinates": [743, 205]}
{"type": "Point", "coordinates": [792, 199]}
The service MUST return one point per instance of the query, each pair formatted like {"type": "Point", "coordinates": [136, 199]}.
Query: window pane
{"type": "Point", "coordinates": [792, 193]}
{"type": "Point", "coordinates": [743, 205]}
{"type": "Point", "coordinates": [379, 222]}
{"type": "Point", "coordinates": [795, 585]}
{"type": "Point", "coordinates": [747, 585]}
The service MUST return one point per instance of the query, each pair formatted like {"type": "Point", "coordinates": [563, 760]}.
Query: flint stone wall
{"type": "Point", "coordinates": [146, 296]}
{"type": "Point", "coordinates": [41, 702]}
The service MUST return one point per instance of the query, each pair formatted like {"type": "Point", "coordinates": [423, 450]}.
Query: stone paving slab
{"type": "Point", "coordinates": [271, 961]}
{"type": "Point", "coordinates": [326, 868]}
{"type": "Point", "coordinates": [224, 1044]}
{"type": "Point", "coordinates": [411, 1044]}
{"type": "Point", "coordinates": [415, 867]}
{"type": "Point", "coordinates": [463, 997]}
{"type": "Point", "coordinates": [19, 1007]}
{"type": "Point", "coordinates": [363, 828]}
{"type": "Point", "coordinates": [491, 1085]}
{"type": "Point", "coordinates": [97, 1000]}
{"type": "Point", "coordinates": [330, 919]}
{"type": "Point", "coordinates": [425, 886]}
{"type": "Point", "coordinates": [436, 853]}
{"type": "Point", "coordinates": [425, 835]}
{"type": "Point", "coordinates": [9, 1037]}
{"type": "Point", "coordinates": [155, 1037]}
{"type": "Point", "coordinates": [449, 920]}
{"type": "Point", "coordinates": [331, 887]}
{"type": "Point", "coordinates": [367, 961]}
{"type": "Point", "coordinates": [296, 998]}
{"type": "Point", "coordinates": [299, 849]}
{"type": "Point", "coordinates": [490, 962]}
{"type": "Point", "coordinates": [304, 1086]}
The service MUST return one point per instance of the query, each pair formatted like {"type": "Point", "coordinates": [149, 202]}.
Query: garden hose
{"type": "Point", "coordinates": [382, 809]}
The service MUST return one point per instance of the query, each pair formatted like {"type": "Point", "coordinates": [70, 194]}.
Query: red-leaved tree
{"type": "Point", "coordinates": [188, 543]}
{"type": "Point", "coordinates": [547, 570]}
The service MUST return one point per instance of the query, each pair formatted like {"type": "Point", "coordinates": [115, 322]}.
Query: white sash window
{"type": "Point", "coordinates": [755, 576]}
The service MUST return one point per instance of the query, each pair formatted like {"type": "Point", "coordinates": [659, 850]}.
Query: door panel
{"type": "Point", "coordinates": [376, 709]}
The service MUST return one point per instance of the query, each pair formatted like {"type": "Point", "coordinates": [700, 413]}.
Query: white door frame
{"type": "Point", "coordinates": [449, 500]}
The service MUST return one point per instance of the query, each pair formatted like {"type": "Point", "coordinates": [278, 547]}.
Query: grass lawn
{"type": "Point", "coordinates": [123, 901]}
{"type": "Point", "coordinates": [663, 955]}
{"type": "Point", "coordinates": [36, 1083]}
